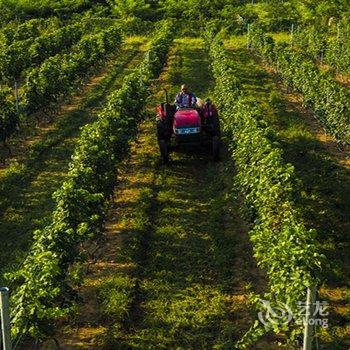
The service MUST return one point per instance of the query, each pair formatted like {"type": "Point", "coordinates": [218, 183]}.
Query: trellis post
{"type": "Point", "coordinates": [248, 36]}
{"type": "Point", "coordinates": [5, 319]}
{"type": "Point", "coordinates": [292, 33]}
{"type": "Point", "coordinates": [308, 322]}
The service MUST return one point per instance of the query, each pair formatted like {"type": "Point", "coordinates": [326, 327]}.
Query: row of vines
{"type": "Point", "coordinates": [24, 9]}
{"type": "Point", "coordinates": [60, 74]}
{"type": "Point", "coordinates": [329, 100]}
{"type": "Point", "coordinates": [326, 45]}
{"type": "Point", "coordinates": [19, 55]}
{"type": "Point", "coordinates": [57, 77]}
{"type": "Point", "coordinates": [32, 28]}
{"type": "Point", "coordinates": [282, 245]}
{"type": "Point", "coordinates": [44, 284]}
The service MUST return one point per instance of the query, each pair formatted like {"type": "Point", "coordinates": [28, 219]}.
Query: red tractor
{"type": "Point", "coordinates": [188, 127]}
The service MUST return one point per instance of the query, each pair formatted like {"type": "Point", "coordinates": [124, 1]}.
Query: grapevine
{"type": "Point", "coordinates": [282, 245]}
{"type": "Point", "coordinates": [329, 100]}
{"type": "Point", "coordinates": [44, 292]}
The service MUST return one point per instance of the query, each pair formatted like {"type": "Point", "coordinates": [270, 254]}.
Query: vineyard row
{"type": "Point", "coordinates": [329, 100]}
{"type": "Point", "coordinates": [57, 77]}
{"type": "Point", "coordinates": [327, 46]}
{"type": "Point", "coordinates": [44, 282]}
{"type": "Point", "coordinates": [282, 245]}
{"type": "Point", "coordinates": [21, 55]}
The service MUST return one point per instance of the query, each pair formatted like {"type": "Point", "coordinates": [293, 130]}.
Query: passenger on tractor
{"type": "Point", "coordinates": [185, 98]}
{"type": "Point", "coordinates": [210, 118]}
{"type": "Point", "coordinates": [209, 110]}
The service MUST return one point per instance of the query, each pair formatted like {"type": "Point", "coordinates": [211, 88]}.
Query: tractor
{"type": "Point", "coordinates": [190, 127]}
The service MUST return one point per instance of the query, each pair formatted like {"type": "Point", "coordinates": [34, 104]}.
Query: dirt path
{"type": "Point", "coordinates": [26, 187]}
{"type": "Point", "coordinates": [325, 172]}
{"type": "Point", "coordinates": [173, 267]}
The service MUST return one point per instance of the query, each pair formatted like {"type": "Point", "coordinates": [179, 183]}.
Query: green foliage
{"type": "Point", "coordinates": [60, 74]}
{"type": "Point", "coordinates": [320, 11]}
{"type": "Point", "coordinates": [328, 99]}
{"type": "Point", "coordinates": [8, 115]}
{"type": "Point", "coordinates": [272, 15]}
{"type": "Point", "coordinates": [193, 14]}
{"type": "Point", "coordinates": [44, 293]}
{"type": "Point", "coordinates": [282, 245]}
{"type": "Point", "coordinates": [32, 49]}
{"type": "Point", "coordinates": [29, 29]}
{"type": "Point", "coordinates": [130, 8]}
{"type": "Point", "coordinates": [338, 50]}
{"type": "Point", "coordinates": [136, 26]}
{"type": "Point", "coordinates": [311, 40]}
{"type": "Point", "coordinates": [24, 9]}
{"type": "Point", "coordinates": [331, 44]}
{"type": "Point", "coordinates": [276, 14]}
{"type": "Point", "coordinates": [15, 41]}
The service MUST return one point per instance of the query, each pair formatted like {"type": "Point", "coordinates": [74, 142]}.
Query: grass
{"type": "Point", "coordinates": [281, 36]}
{"type": "Point", "coordinates": [26, 186]}
{"type": "Point", "coordinates": [325, 197]}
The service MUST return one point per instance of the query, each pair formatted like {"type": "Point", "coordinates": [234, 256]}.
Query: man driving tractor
{"type": "Point", "coordinates": [185, 98]}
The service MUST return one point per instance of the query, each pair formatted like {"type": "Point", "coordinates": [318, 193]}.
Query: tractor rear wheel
{"type": "Point", "coordinates": [164, 152]}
